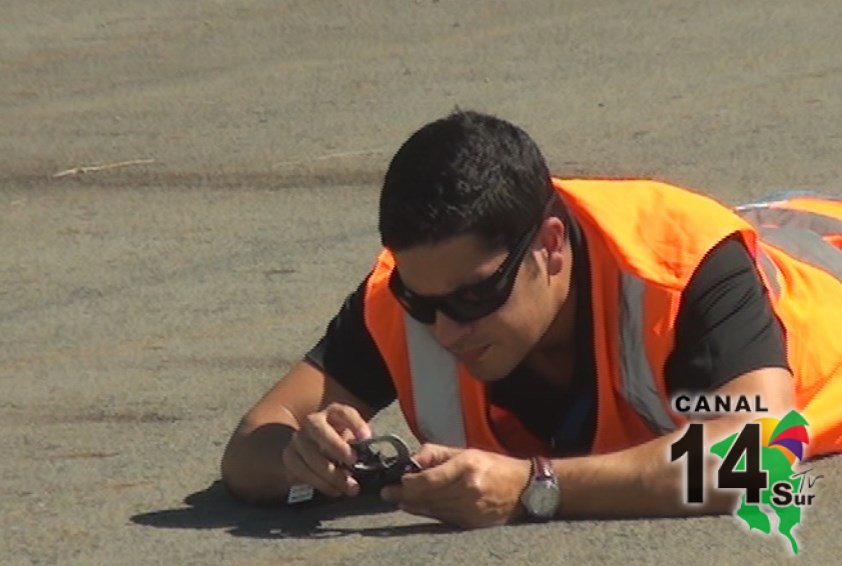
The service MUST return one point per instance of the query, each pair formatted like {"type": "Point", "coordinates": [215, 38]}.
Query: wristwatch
{"type": "Point", "coordinates": [542, 495]}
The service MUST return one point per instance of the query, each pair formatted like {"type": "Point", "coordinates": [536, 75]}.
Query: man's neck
{"type": "Point", "coordinates": [553, 357]}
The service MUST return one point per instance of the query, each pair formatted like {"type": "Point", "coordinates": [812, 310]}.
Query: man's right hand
{"type": "Point", "coordinates": [296, 434]}
{"type": "Point", "coordinates": [318, 450]}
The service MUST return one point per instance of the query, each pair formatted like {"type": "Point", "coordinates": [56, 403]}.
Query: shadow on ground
{"type": "Point", "coordinates": [215, 508]}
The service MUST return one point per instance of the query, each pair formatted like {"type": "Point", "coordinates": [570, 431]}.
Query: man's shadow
{"type": "Point", "coordinates": [215, 508]}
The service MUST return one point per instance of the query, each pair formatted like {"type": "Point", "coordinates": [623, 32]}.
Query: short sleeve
{"type": "Point", "coordinates": [725, 325]}
{"type": "Point", "coordinates": [348, 354]}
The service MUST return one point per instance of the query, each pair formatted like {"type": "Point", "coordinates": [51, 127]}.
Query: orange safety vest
{"type": "Point", "coordinates": [645, 240]}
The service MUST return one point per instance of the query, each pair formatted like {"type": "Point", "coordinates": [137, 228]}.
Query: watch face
{"type": "Point", "coordinates": [542, 499]}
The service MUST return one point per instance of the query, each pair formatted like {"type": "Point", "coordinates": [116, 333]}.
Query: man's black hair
{"type": "Point", "coordinates": [465, 173]}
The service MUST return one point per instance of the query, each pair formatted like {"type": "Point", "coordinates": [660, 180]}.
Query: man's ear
{"type": "Point", "coordinates": [554, 240]}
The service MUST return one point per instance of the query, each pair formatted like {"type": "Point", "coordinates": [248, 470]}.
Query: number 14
{"type": "Point", "coordinates": [749, 477]}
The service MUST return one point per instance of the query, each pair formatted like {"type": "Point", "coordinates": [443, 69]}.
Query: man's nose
{"type": "Point", "coordinates": [449, 332]}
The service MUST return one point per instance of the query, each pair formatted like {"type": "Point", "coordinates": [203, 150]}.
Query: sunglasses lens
{"type": "Point", "coordinates": [421, 312]}
{"type": "Point", "coordinates": [415, 306]}
{"type": "Point", "coordinates": [455, 307]}
{"type": "Point", "coordinates": [468, 311]}
{"type": "Point", "coordinates": [477, 300]}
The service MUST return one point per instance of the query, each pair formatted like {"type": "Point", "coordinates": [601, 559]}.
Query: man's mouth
{"type": "Point", "coordinates": [470, 355]}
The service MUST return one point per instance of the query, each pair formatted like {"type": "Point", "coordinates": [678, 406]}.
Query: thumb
{"type": "Point", "coordinates": [432, 455]}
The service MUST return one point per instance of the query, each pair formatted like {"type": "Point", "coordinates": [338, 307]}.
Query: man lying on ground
{"type": "Point", "coordinates": [535, 329]}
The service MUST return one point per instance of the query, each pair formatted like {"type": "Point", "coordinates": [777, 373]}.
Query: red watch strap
{"type": "Point", "coordinates": [542, 468]}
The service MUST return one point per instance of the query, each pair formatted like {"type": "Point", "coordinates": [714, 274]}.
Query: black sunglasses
{"type": "Point", "coordinates": [469, 302]}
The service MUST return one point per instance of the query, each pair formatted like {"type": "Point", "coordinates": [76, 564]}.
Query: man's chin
{"type": "Point", "coordinates": [486, 370]}
{"type": "Point", "coordinates": [487, 377]}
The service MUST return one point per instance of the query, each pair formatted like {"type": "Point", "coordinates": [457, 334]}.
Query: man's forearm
{"type": "Point", "coordinates": [252, 466]}
{"type": "Point", "coordinates": [639, 481]}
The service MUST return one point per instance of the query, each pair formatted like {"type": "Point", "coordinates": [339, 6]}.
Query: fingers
{"type": "Point", "coordinates": [318, 450]}
{"type": "Point", "coordinates": [326, 429]}
{"type": "Point", "coordinates": [305, 464]}
{"type": "Point", "coordinates": [431, 455]}
{"type": "Point", "coordinates": [344, 417]}
{"type": "Point", "coordinates": [439, 478]}
{"type": "Point", "coordinates": [433, 483]}
{"type": "Point", "coordinates": [471, 489]}
{"type": "Point", "coordinates": [449, 503]}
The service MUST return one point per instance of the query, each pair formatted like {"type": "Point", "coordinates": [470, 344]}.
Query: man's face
{"type": "Point", "coordinates": [490, 346]}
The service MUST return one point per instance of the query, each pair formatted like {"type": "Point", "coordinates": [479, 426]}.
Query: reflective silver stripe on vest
{"type": "Point", "coordinates": [637, 379]}
{"type": "Point", "coordinates": [767, 217]}
{"type": "Point", "coordinates": [435, 387]}
{"type": "Point", "coordinates": [770, 270]}
{"type": "Point", "coordinates": [806, 246]}
{"type": "Point", "coordinates": [798, 233]}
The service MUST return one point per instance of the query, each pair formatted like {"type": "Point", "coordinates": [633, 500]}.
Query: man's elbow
{"type": "Point", "coordinates": [252, 463]}
{"type": "Point", "coordinates": [232, 467]}
{"type": "Point", "coordinates": [246, 486]}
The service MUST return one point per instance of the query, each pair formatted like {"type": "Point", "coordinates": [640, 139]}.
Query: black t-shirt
{"type": "Point", "coordinates": [725, 327]}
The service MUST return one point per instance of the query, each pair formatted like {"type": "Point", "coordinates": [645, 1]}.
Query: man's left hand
{"type": "Point", "coordinates": [465, 487]}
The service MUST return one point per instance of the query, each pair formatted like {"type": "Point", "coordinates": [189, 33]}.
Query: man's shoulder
{"type": "Point", "coordinates": [655, 231]}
